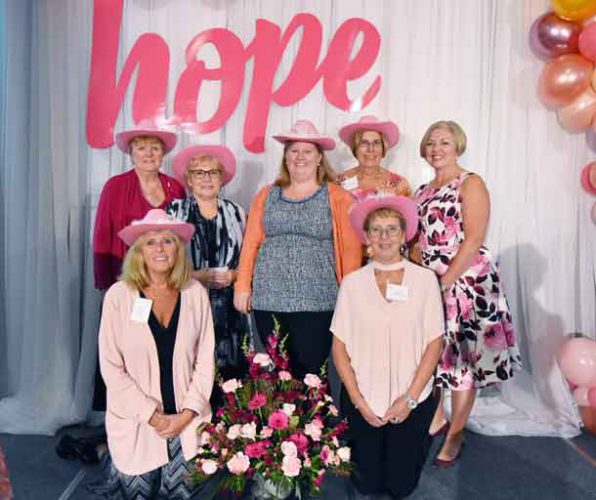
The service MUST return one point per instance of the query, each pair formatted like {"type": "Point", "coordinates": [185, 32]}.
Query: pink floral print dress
{"type": "Point", "coordinates": [480, 346]}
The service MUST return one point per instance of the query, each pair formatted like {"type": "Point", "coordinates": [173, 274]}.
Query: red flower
{"type": "Point", "coordinates": [256, 450]}
{"type": "Point", "coordinates": [257, 401]}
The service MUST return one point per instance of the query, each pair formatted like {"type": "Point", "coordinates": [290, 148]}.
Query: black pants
{"type": "Point", "coordinates": [389, 459]}
{"type": "Point", "coordinates": [309, 338]}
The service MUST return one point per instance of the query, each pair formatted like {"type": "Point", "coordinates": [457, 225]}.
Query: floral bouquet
{"type": "Point", "coordinates": [283, 434]}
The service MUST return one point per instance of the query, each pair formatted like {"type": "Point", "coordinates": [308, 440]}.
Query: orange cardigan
{"type": "Point", "coordinates": [346, 246]}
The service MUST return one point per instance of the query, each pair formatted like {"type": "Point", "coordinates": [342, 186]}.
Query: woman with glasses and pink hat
{"type": "Point", "coordinates": [388, 331]}
{"type": "Point", "coordinates": [215, 247]}
{"type": "Point", "coordinates": [297, 248]}
{"type": "Point", "coordinates": [369, 139]}
{"type": "Point", "coordinates": [156, 347]}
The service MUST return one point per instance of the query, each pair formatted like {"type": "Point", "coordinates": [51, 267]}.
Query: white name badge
{"type": "Point", "coordinates": [141, 309]}
{"type": "Point", "coordinates": [396, 293]}
{"type": "Point", "coordinates": [350, 184]}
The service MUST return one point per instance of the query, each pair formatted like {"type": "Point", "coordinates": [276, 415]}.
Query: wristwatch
{"type": "Point", "coordinates": [412, 403]}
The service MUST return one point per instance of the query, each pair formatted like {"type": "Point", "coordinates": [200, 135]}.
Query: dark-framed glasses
{"type": "Point", "coordinates": [375, 232]}
{"type": "Point", "coordinates": [203, 174]}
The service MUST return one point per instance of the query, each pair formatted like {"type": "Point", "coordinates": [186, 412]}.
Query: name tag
{"type": "Point", "coordinates": [396, 293]}
{"type": "Point", "coordinates": [350, 184]}
{"type": "Point", "coordinates": [141, 309]}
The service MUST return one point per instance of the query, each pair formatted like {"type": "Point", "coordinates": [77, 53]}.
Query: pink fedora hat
{"type": "Point", "coordinates": [389, 129]}
{"type": "Point", "coordinates": [168, 137]}
{"type": "Point", "coordinates": [222, 153]}
{"type": "Point", "coordinates": [156, 220]}
{"type": "Point", "coordinates": [402, 204]}
{"type": "Point", "coordinates": [589, 173]}
{"type": "Point", "coordinates": [305, 131]}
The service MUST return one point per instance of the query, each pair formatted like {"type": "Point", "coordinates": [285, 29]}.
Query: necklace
{"type": "Point", "coordinates": [395, 266]}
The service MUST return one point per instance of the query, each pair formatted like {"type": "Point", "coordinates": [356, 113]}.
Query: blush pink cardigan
{"type": "Point", "coordinates": [130, 368]}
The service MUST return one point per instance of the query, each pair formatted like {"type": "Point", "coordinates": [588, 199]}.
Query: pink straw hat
{"type": "Point", "coordinates": [168, 137]}
{"type": "Point", "coordinates": [402, 204]}
{"type": "Point", "coordinates": [222, 153]}
{"type": "Point", "coordinates": [156, 220]}
{"type": "Point", "coordinates": [588, 172]}
{"type": "Point", "coordinates": [388, 129]}
{"type": "Point", "coordinates": [305, 131]}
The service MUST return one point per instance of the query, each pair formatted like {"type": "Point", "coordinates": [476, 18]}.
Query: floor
{"type": "Point", "coordinates": [512, 468]}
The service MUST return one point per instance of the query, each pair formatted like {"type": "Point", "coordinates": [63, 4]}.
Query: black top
{"type": "Point", "coordinates": [165, 339]}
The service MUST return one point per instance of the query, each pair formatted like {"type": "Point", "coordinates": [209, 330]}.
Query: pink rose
{"type": "Point", "coordinates": [234, 431]}
{"type": "Point", "coordinates": [285, 376]}
{"type": "Point", "coordinates": [289, 449]}
{"type": "Point", "coordinates": [266, 432]}
{"type": "Point", "coordinates": [278, 420]}
{"type": "Point", "coordinates": [312, 380]}
{"type": "Point", "coordinates": [231, 385]}
{"type": "Point", "coordinates": [209, 466]}
{"type": "Point", "coordinates": [257, 401]}
{"type": "Point", "coordinates": [291, 466]}
{"type": "Point", "coordinates": [238, 464]}
{"type": "Point", "coordinates": [262, 359]}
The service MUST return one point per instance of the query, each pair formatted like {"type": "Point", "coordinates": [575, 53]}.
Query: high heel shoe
{"type": "Point", "coordinates": [441, 430]}
{"type": "Point", "coordinates": [439, 463]}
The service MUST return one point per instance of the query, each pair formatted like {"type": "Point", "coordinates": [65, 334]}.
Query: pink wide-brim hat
{"type": "Point", "coordinates": [388, 129]}
{"type": "Point", "coordinates": [156, 220]}
{"type": "Point", "coordinates": [585, 178]}
{"type": "Point", "coordinates": [305, 131]}
{"type": "Point", "coordinates": [222, 153]}
{"type": "Point", "coordinates": [402, 204]}
{"type": "Point", "coordinates": [168, 137]}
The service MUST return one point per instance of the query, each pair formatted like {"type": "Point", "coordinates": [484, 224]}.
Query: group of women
{"type": "Point", "coordinates": [397, 330]}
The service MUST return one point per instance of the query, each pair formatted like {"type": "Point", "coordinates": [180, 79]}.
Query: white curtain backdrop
{"type": "Point", "coordinates": [466, 60]}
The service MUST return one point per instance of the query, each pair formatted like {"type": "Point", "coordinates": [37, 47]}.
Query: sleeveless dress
{"type": "Point", "coordinates": [480, 339]}
{"type": "Point", "coordinates": [394, 183]}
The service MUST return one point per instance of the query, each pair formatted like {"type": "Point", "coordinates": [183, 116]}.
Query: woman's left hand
{"type": "Point", "coordinates": [176, 424]}
{"type": "Point", "coordinates": [397, 412]}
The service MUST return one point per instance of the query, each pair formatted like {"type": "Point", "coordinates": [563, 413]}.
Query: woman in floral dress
{"type": "Point", "coordinates": [480, 347]}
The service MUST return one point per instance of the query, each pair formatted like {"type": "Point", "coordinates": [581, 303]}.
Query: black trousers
{"type": "Point", "coordinates": [389, 459]}
{"type": "Point", "coordinates": [309, 338]}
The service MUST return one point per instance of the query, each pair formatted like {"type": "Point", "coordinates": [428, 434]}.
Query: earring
{"type": "Point", "coordinates": [370, 253]}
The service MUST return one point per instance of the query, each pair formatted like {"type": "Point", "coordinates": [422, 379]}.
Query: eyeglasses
{"type": "Point", "coordinates": [202, 174]}
{"type": "Point", "coordinates": [376, 144]}
{"type": "Point", "coordinates": [375, 232]}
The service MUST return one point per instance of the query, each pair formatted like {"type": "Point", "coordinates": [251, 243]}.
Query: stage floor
{"type": "Point", "coordinates": [490, 468]}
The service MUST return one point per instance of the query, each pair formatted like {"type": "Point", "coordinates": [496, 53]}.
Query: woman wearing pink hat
{"type": "Point", "coordinates": [387, 339]}
{"type": "Point", "coordinates": [297, 248]}
{"type": "Point", "coordinates": [215, 247]}
{"type": "Point", "coordinates": [480, 345]}
{"type": "Point", "coordinates": [369, 139]}
{"type": "Point", "coordinates": [156, 356]}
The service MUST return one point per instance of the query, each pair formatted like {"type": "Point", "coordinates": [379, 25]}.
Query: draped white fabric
{"type": "Point", "coordinates": [466, 60]}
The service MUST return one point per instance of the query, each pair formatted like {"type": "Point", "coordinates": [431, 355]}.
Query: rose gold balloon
{"type": "Point", "coordinates": [577, 116]}
{"type": "Point", "coordinates": [551, 36]}
{"type": "Point", "coordinates": [563, 79]}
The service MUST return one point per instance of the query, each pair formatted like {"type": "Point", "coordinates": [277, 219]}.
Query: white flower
{"type": "Point", "coordinates": [234, 431]}
{"type": "Point", "coordinates": [266, 432]}
{"type": "Point", "coordinates": [249, 431]}
{"type": "Point", "coordinates": [344, 453]}
{"type": "Point", "coordinates": [231, 385]}
{"type": "Point", "coordinates": [285, 375]}
{"type": "Point", "coordinates": [312, 380]}
{"type": "Point", "coordinates": [289, 449]}
{"type": "Point", "coordinates": [262, 359]}
{"type": "Point", "coordinates": [288, 409]}
{"type": "Point", "coordinates": [205, 438]}
{"type": "Point", "coordinates": [313, 431]}
{"type": "Point", "coordinates": [209, 466]}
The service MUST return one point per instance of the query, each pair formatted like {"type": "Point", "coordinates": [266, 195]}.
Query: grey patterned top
{"type": "Point", "coordinates": [295, 269]}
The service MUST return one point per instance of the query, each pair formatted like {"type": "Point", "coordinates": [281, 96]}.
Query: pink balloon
{"type": "Point", "coordinates": [551, 36]}
{"type": "Point", "coordinates": [563, 79]}
{"type": "Point", "coordinates": [578, 114]}
{"type": "Point", "coordinates": [592, 396]}
{"type": "Point", "coordinates": [587, 42]}
{"type": "Point", "coordinates": [577, 361]}
{"type": "Point", "coordinates": [588, 178]}
{"type": "Point", "coordinates": [580, 394]}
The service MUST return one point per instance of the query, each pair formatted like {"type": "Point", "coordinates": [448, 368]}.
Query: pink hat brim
{"type": "Point", "coordinates": [585, 179]}
{"type": "Point", "coordinates": [131, 233]}
{"type": "Point", "coordinates": [168, 138]}
{"type": "Point", "coordinates": [389, 130]}
{"type": "Point", "coordinates": [405, 206]}
{"type": "Point", "coordinates": [222, 153]}
{"type": "Point", "coordinates": [326, 143]}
